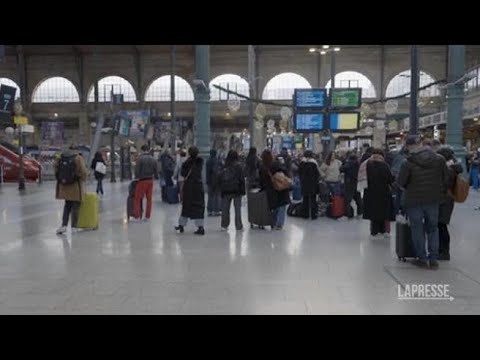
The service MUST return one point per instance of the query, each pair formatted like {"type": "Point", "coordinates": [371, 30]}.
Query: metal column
{"type": "Point", "coordinates": [202, 101]}
{"type": "Point", "coordinates": [173, 116]}
{"type": "Point", "coordinates": [414, 82]}
{"type": "Point", "coordinates": [251, 81]}
{"type": "Point", "coordinates": [456, 69]}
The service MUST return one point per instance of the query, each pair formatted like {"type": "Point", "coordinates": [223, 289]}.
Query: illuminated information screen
{"type": "Point", "coordinates": [345, 98]}
{"type": "Point", "coordinates": [311, 98]}
{"type": "Point", "coordinates": [344, 121]}
{"type": "Point", "coordinates": [309, 122]}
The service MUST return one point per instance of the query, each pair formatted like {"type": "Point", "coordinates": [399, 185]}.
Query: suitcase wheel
{"type": "Point", "coordinates": [252, 226]}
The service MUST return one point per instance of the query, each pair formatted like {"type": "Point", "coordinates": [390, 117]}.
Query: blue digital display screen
{"type": "Point", "coordinates": [311, 98]}
{"type": "Point", "coordinates": [309, 122]}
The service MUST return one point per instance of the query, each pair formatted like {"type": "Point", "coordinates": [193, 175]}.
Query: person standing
{"type": "Point", "coordinates": [214, 168]}
{"type": "Point", "coordinates": [99, 176]}
{"type": "Point", "coordinates": [71, 174]}
{"type": "Point", "coordinates": [378, 202]}
{"type": "Point", "coordinates": [475, 171]}
{"type": "Point", "coordinates": [350, 169]}
{"type": "Point", "coordinates": [424, 179]}
{"type": "Point", "coordinates": [398, 160]}
{"type": "Point", "coordinates": [232, 187]}
{"type": "Point", "coordinates": [309, 179]}
{"type": "Point", "coordinates": [176, 174]}
{"type": "Point", "coordinates": [167, 164]}
{"type": "Point", "coordinates": [193, 203]}
{"type": "Point", "coordinates": [277, 200]}
{"type": "Point", "coordinates": [146, 170]}
{"type": "Point", "coordinates": [445, 210]}
{"type": "Point", "coordinates": [252, 165]}
{"type": "Point", "coordinates": [330, 172]}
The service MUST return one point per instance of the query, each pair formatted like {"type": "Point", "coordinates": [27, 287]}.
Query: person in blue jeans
{"type": "Point", "coordinates": [424, 178]}
{"type": "Point", "coordinates": [277, 200]}
{"type": "Point", "coordinates": [474, 171]}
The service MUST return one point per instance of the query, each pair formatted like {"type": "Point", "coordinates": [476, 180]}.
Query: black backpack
{"type": "Point", "coordinates": [67, 170]}
{"type": "Point", "coordinates": [229, 183]}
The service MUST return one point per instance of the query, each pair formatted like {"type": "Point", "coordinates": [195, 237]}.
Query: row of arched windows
{"type": "Point", "coordinates": [62, 90]}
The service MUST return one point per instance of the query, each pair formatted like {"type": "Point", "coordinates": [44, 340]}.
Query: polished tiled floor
{"type": "Point", "coordinates": [321, 267]}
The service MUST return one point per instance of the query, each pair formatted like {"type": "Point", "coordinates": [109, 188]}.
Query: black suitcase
{"type": "Point", "coordinates": [403, 242]}
{"type": "Point", "coordinates": [258, 210]}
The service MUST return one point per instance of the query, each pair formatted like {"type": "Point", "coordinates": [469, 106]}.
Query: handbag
{"type": "Point", "coordinates": [101, 168]}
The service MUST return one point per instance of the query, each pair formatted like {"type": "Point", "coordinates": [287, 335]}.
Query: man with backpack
{"type": "Point", "coordinates": [424, 178]}
{"type": "Point", "coordinates": [71, 174]}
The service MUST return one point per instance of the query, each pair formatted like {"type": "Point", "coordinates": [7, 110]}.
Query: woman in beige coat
{"type": "Point", "coordinates": [71, 193]}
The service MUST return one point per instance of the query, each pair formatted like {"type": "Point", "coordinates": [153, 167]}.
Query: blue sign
{"type": "Point", "coordinates": [311, 98]}
{"type": "Point", "coordinates": [309, 122]}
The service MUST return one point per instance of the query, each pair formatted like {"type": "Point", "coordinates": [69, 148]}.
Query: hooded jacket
{"type": "Point", "coordinates": [424, 177]}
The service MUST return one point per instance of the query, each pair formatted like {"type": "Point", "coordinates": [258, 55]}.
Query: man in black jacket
{"type": "Point", "coordinates": [424, 177]}
{"type": "Point", "coordinates": [350, 169]}
{"type": "Point", "coordinates": [214, 168]}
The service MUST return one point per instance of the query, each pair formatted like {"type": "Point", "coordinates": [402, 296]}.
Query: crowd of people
{"type": "Point", "coordinates": [414, 182]}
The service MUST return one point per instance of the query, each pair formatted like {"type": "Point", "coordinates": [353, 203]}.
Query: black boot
{"type": "Point", "coordinates": [200, 231]}
{"type": "Point", "coordinates": [180, 228]}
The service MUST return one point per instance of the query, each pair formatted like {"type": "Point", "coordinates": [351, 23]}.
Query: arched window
{"type": "Point", "coordinates": [9, 82]}
{"type": "Point", "coordinates": [230, 82]}
{"type": "Point", "coordinates": [400, 85]}
{"type": "Point", "coordinates": [353, 79]}
{"type": "Point", "coordinates": [159, 90]}
{"type": "Point", "coordinates": [55, 90]}
{"type": "Point", "coordinates": [282, 86]}
{"type": "Point", "coordinates": [119, 86]}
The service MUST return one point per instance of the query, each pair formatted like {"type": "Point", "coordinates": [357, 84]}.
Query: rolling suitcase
{"type": "Point", "coordinates": [88, 213]}
{"type": "Point", "coordinates": [258, 210]}
{"type": "Point", "coordinates": [403, 241]}
{"type": "Point", "coordinates": [337, 207]}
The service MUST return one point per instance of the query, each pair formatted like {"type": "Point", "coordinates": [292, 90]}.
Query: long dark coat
{"type": "Point", "coordinates": [193, 205]}
{"type": "Point", "coordinates": [378, 196]}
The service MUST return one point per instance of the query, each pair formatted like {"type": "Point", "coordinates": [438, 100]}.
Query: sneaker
{"type": "Point", "coordinates": [420, 263]}
{"type": "Point", "coordinates": [387, 235]}
{"type": "Point", "coordinates": [61, 230]}
{"type": "Point", "coordinates": [75, 230]}
{"type": "Point", "coordinates": [146, 220]}
{"type": "Point", "coordinates": [433, 264]}
{"type": "Point", "coordinates": [180, 229]}
{"type": "Point", "coordinates": [224, 229]}
{"type": "Point", "coordinates": [240, 229]}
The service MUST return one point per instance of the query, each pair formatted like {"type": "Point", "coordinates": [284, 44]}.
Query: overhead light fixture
{"type": "Point", "coordinates": [312, 50]}
{"type": "Point", "coordinates": [431, 101]}
{"type": "Point", "coordinates": [228, 114]}
{"type": "Point", "coordinates": [323, 52]}
{"type": "Point", "coordinates": [336, 49]}
{"type": "Point", "coordinates": [56, 115]}
{"type": "Point", "coordinates": [326, 46]}
{"type": "Point", "coordinates": [475, 119]}
{"type": "Point", "coordinates": [169, 114]}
